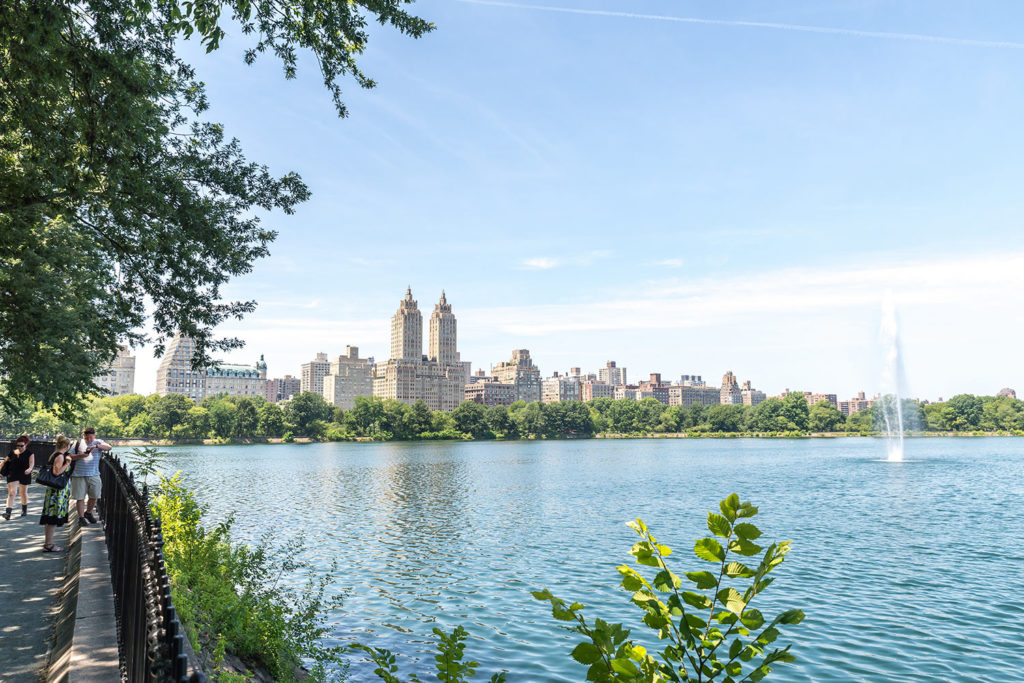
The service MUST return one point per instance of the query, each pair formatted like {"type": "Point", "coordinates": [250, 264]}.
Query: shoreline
{"type": "Point", "coordinates": [253, 441]}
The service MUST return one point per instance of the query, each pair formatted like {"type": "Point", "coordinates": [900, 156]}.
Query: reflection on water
{"type": "Point", "coordinates": [884, 556]}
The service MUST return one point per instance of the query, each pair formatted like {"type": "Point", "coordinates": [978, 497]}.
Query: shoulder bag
{"type": "Point", "coordinates": [6, 467]}
{"type": "Point", "coordinates": [46, 477]}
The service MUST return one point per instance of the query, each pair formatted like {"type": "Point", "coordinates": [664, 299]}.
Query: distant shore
{"type": "Point", "coordinates": [142, 443]}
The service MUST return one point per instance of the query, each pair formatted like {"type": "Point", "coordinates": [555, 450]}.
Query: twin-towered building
{"type": "Point", "coordinates": [437, 378]}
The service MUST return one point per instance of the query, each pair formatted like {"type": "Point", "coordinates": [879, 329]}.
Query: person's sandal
{"type": "Point", "coordinates": [51, 548]}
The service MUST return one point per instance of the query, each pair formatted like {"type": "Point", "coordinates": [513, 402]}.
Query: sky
{"type": "Point", "coordinates": [682, 187]}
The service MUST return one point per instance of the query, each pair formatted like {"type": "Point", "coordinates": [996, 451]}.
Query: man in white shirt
{"type": "Point", "coordinates": [85, 480]}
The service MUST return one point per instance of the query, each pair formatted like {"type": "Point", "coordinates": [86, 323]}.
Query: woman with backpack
{"type": "Point", "coordinates": [56, 502]}
{"type": "Point", "coordinates": [18, 468]}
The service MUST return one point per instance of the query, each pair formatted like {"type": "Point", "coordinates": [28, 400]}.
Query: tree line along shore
{"type": "Point", "coordinates": [308, 417]}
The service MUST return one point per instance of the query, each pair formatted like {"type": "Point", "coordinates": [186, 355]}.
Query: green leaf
{"type": "Point", "coordinates": [759, 673]}
{"type": "Point", "coordinates": [738, 570]}
{"type": "Point", "coordinates": [734, 668]}
{"type": "Point", "coordinates": [644, 553]}
{"type": "Point", "coordinates": [704, 580]}
{"type": "Point", "coordinates": [752, 618]}
{"type": "Point", "coordinates": [638, 526]}
{"type": "Point", "coordinates": [744, 547]}
{"type": "Point", "coordinates": [709, 549]}
{"type": "Point", "coordinates": [697, 600]}
{"type": "Point", "coordinates": [768, 636]}
{"type": "Point", "coordinates": [693, 621]}
{"type": "Point", "coordinates": [728, 507]}
{"type": "Point", "coordinates": [732, 600]}
{"type": "Point", "coordinates": [586, 653]}
{"type": "Point", "coordinates": [656, 621]}
{"type": "Point", "coordinates": [631, 580]}
{"type": "Point", "coordinates": [793, 616]}
{"type": "Point", "coordinates": [624, 666]}
{"type": "Point", "coordinates": [746, 510]}
{"type": "Point", "coordinates": [666, 581]}
{"type": "Point", "coordinates": [725, 617]}
{"type": "Point", "coordinates": [542, 595]}
{"type": "Point", "coordinates": [747, 531]}
{"type": "Point", "coordinates": [719, 525]}
{"type": "Point", "coordinates": [734, 649]}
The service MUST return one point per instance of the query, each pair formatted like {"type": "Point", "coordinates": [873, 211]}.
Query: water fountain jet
{"type": "Point", "coordinates": [892, 402]}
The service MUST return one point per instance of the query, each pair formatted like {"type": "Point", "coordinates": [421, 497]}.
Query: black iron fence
{"type": "Point", "coordinates": [151, 638]}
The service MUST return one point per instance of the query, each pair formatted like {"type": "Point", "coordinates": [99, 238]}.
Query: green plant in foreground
{"type": "Point", "coordinates": [449, 662]}
{"type": "Point", "coordinates": [240, 599]}
{"type": "Point", "coordinates": [714, 634]}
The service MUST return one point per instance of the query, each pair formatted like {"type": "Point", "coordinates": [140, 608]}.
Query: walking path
{"type": "Point", "coordinates": [56, 609]}
{"type": "Point", "coordinates": [29, 582]}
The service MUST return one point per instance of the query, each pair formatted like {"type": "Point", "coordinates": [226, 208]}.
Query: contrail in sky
{"type": "Point", "coordinates": [760, 24]}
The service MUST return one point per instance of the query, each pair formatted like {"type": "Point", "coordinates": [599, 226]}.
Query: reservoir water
{"type": "Point", "coordinates": [907, 571]}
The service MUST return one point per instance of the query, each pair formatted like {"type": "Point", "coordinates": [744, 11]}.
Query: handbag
{"type": "Point", "coordinates": [46, 477]}
{"type": "Point", "coordinates": [6, 467]}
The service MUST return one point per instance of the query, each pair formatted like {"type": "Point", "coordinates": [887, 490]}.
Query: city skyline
{"type": "Point", "coordinates": [637, 374]}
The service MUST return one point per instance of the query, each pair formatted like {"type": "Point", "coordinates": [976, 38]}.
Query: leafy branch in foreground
{"type": "Point", "coordinates": [714, 633]}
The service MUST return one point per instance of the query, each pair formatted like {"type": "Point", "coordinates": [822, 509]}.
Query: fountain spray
{"type": "Point", "coordinates": [892, 379]}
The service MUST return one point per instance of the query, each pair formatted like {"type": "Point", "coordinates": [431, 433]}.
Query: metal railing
{"type": "Point", "coordinates": [150, 636]}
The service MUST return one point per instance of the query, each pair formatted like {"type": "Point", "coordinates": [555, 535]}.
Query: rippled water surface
{"type": "Point", "coordinates": [907, 571]}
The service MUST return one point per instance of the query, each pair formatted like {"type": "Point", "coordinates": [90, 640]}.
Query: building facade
{"type": "Point", "coordinates": [612, 374]}
{"type": "Point", "coordinates": [730, 394]}
{"type": "Point", "coordinates": [687, 396]}
{"type": "Point", "coordinates": [313, 374]}
{"type": "Point", "coordinates": [119, 377]}
{"type": "Point", "coordinates": [591, 390]}
{"type": "Point", "coordinates": [176, 375]}
{"type": "Point", "coordinates": [491, 393]}
{"type": "Point", "coordinates": [560, 388]}
{"type": "Point", "coordinates": [814, 399]}
{"type": "Point", "coordinates": [350, 376]}
{"type": "Point", "coordinates": [522, 373]}
{"type": "Point", "coordinates": [855, 404]}
{"type": "Point", "coordinates": [439, 380]}
{"type": "Point", "coordinates": [282, 388]}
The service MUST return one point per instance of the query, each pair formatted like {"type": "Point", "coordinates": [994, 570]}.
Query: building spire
{"type": "Point", "coordinates": [443, 300]}
{"type": "Point", "coordinates": [408, 293]}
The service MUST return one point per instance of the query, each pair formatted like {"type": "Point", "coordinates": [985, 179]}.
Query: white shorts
{"type": "Point", "coordinates": [80, 486]}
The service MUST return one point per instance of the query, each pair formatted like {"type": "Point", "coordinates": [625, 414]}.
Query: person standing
{"type": "Point", "coordinates": [55, 503]}
{"type": "Point", "coordinates": [85, 479]}
{"type": "Point", "coordinates": [19, 474]}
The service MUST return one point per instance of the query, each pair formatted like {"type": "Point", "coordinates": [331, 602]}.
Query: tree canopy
{"type": "Point", "coordinates": [118, 202]}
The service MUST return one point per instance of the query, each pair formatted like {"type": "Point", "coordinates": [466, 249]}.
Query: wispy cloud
{"type": "Point", "coordinates": [670, 262]}
{"type": "Point", "coordinates": [989, 282]}
{"type": "Point", "coordinates": [539, 263]}
{"type": "Point", "coordinates": [856, 33]}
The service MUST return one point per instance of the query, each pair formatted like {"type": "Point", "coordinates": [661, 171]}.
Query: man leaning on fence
{"type": "Point", "coordinates": [85, 479]}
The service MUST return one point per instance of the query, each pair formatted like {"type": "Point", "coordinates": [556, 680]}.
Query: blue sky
{"type": "Point", "coordinates": [677, 195]}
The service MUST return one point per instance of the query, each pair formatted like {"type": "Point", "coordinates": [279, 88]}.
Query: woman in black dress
{"type": "Point", "coordinates": [19, 474]}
